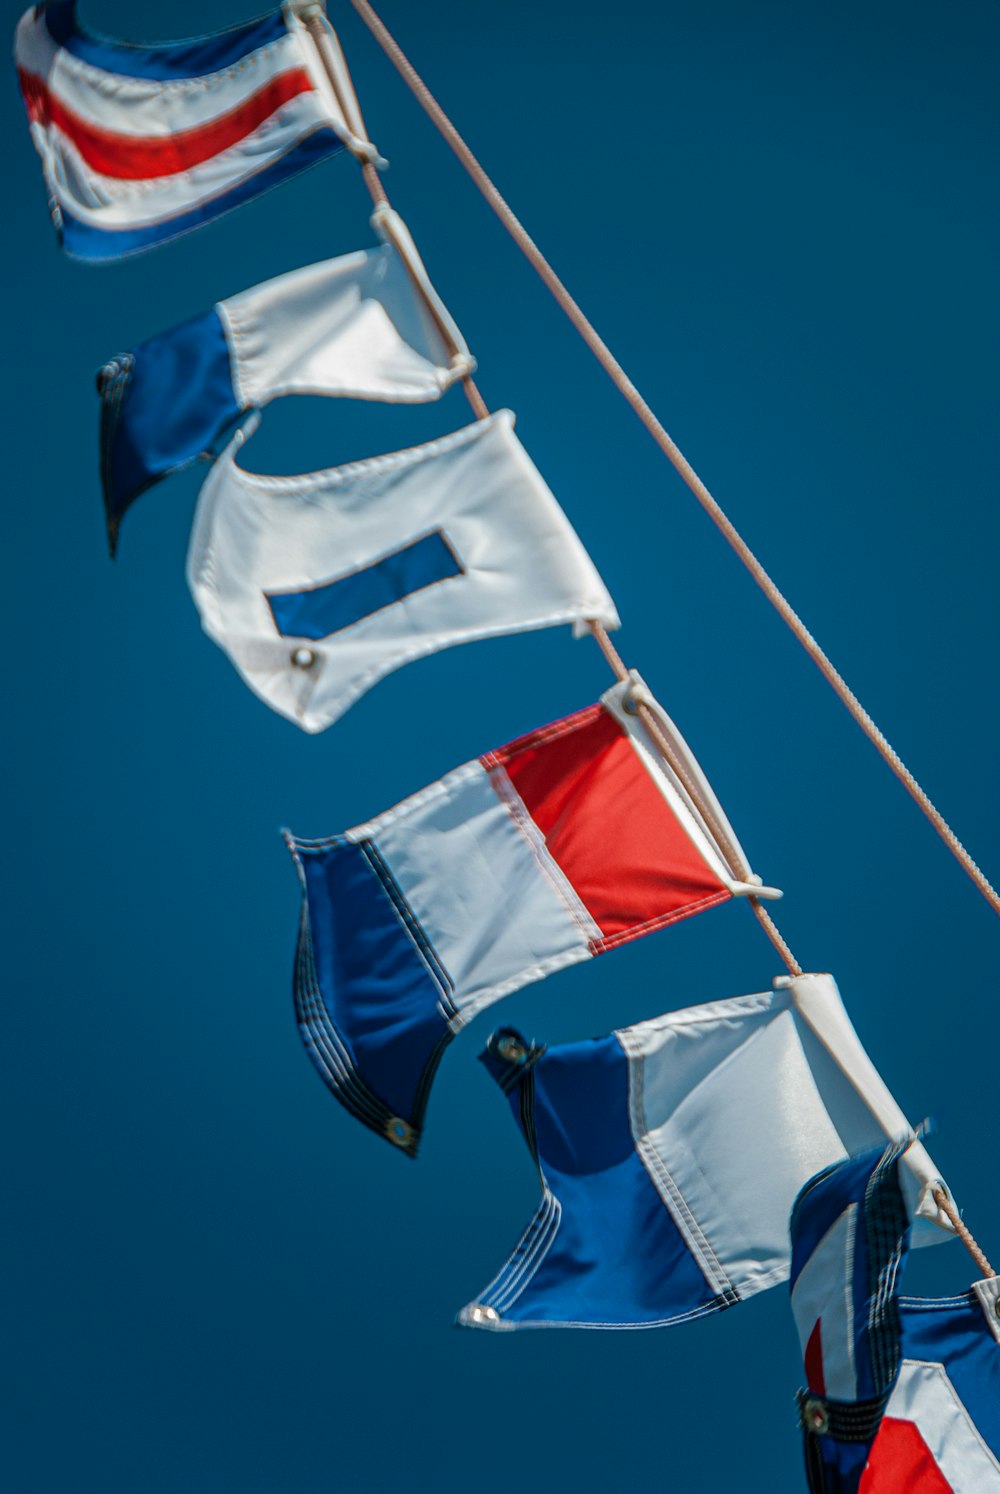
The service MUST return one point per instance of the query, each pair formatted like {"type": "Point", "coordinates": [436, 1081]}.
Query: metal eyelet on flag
{"type": "Point", "coordinates": [816, 1417]}
{"type": "Point", "coordinates": [511, 1049]}
{"type": "Point", "coordinates": [303, 658]}
{"type": "Point", "coordinates": [479, 1314]}
{"type": "Point", "coordinates": [399, 1131]}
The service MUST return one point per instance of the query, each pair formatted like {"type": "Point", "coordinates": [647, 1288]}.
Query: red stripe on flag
{"type": "Point", "coordinates": [138, 157]}
{"type": "Point", "coordinates": [813, 1359]}
{"type": "Point", "coordinates": [607, 826]}
{"type": "Point", "coordinates": [900, 1462]}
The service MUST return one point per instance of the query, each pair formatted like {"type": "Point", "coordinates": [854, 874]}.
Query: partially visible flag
{"type": "Point", "coordinates": [850, 1232]}
{"type": "Point", "coordinates": [670, 1154]}
{"type": "Point", "coordinates": [561, 845]}
{"type": "Point", "coordinates": [317, 586]}
{"type": "Point", "coordinates": [141, 143]}
{"type": "Point", "coordinates": [366, 326]}
{"type": "Point", "coordinates": [903, 1392]}
{"type": "Point", "coordinates": [941, 1429]}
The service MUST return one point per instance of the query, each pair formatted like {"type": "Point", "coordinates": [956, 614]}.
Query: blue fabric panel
{"type": "Point", "coordinates": [166, 60]}
{"type": "Point", "coordinates": [322, 610]}
{"type": "Point", "coordinates": [165, 403]}
{"type": "Point", "coordinates": [954, 1332]}
{"type": "Point", "coordinates": [375, 985]}
{"type": "Point", "coordinates": [616, 1259]}
{"type": "Point", "coordinates": [84, 241]}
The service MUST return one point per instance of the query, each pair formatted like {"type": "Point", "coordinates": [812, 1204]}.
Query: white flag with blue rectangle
{"type": "Point", "coordinates": [319, 585]}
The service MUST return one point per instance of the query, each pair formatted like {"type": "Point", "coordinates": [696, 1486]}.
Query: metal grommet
{"type": "Point", "coordinates": [399, 1131]}
{"type": "Point", "coordinates": [816, 1417]}
{"type": "Point", "coordinates": [629, 705]}
{"type": "Point", "coordinates": [303, 658]}
{"type": "Point", "coordinates": [511, 1049]}
{"type": "Point", "coordinates": [479, 1314]}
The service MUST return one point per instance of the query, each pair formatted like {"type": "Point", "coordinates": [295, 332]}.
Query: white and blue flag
{"type": "Point", "coordinates": [319, 585]}
{"type": "Point", "coordinates": [363, 326]}
{"type": "Point", "coordinates": [670, 1154]}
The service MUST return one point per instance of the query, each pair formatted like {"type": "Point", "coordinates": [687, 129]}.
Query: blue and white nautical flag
{"type": "Point", "coordinates": [365, 326]}
{"type": "Point", "coordinates": [546, 852]}
{"type": "Point", "coordinates": [141, 143]}
{"type": "Point", "coordinates": [670, 1154]}
{"type": "Point", "coordinates": [903, 1392]}
{"type": "Point", "coordinates": [317, 586]}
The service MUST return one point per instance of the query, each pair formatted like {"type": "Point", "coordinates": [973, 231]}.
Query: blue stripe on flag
{"type": "Point", "coordinates": [163, 404]}
{"type": "Point", "coordinates": [322, 610]}
{"type": "Point", "coordinates": [378, 988]}
{"type": "Point", "coordinates": [164, 60]}
{"type": "Point", "coordinates": [616, 1259]}
{"type": "Point", "coordinates": [85, 241]}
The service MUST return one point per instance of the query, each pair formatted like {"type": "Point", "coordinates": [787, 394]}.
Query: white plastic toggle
{"type": "Point", "coordinates": [464, 364]}
{"type": "Point", "coordinates": [639, 693]}
{"type": "Point", "coordinates": [367, 153]}
{"type": "Point", "coordinates": [928, 1207]}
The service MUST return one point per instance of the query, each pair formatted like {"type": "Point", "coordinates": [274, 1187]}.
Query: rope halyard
{"type": "Point", "coordinates": [666, 444]}
{"type": "Point", "coordinates": [321, 30]}
{"type": "Point", "coordinates": [963, 1231]}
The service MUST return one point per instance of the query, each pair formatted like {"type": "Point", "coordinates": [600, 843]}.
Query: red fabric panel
{"type": "Point", "coordinates": [607, 826]}
{"type": "Point", "coordinates": [813, 1359]}
{"type": "Point", "coordinates": [137, 157]}
{"type": "Point", "coordinates": [900, 1462]}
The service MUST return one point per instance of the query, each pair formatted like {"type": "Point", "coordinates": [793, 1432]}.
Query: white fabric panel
{"type": "Point", "coordinates": [732, 1114]}
{"type": "Point", "coordinates": [115, 203]}
{"type": "Point", "coordinates": [818, 1000]}
{"type": "Point", "coordinates": [148, 108]}
{"type": "Point", "coordinates": [812, 1301]}
{"type": "Point", "coordinates": [497, 910]}
{"type": "Point", "coordinates": [351, 326]}
{"type": "Point", "coordinates": [392, 230]}
{"type": "Point", "coordinates": [523, 566]}
{"type": "Point", "coordinates": [925, 1396]}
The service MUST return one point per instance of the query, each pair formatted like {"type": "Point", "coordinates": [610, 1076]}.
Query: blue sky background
{"type": "Point", "coordinates": [784, 220]}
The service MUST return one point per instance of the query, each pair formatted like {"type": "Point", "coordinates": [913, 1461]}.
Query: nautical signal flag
{"type": "Point", "coordinates": [559, 846]}
{"type": "Point", "coordinates": [941, 1429]}
{"type": "Point", "coordinates": [141, 143]}
{"type": "Point", "coordinates": [317, 586]}
{"type": "Point", "coordinates": [363, 326]}
{"type": "Point", "coordinates": [670, 1153]}
{"type": "Point", "coordinates": [903, 1392]}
